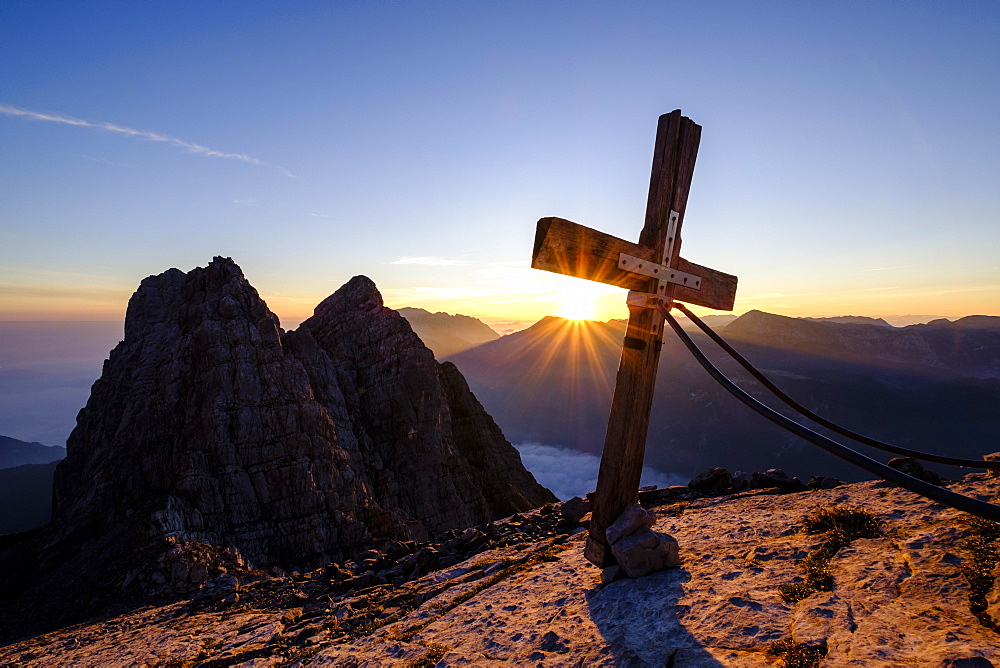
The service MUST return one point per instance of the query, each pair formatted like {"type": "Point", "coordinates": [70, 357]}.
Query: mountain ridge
{"type": "Point", "coordinates": [447, 334]}
{"type": "Point", "coordinates": [924, 387]}
{"type": "Point", "coordinates": [214, 438]}
{"type": "Point", "coordinates": [14, 452]}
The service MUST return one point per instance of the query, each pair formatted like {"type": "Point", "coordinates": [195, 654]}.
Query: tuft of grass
{"type": "Point", "coordinates": [375, 624]}
{"type": "Point", "coordinates": [982, 544]}
{"type": "Point", "coordinates": [304, 655]}
{"type": "Point", "coordinates": [792, 593]}
{"type": "Point", "coordinates": [795, 655]}
{"type": "Point", "coordinates": [843, 525]}
{"type": "Point", "coordinates": [674, 509]}
{"type": "Point", "coordinates": [436, 653]}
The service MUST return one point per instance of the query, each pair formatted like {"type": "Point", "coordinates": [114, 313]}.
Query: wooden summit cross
{"type": "Point", "coordinates": [654, 273]}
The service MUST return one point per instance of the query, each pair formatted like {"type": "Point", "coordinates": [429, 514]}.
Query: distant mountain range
{"type": "Point", "coordinates": [447, 334]}
{"type": "Point", "coordinates": [26, 471]}
{"type": "Point", "coordinates": [933, 387]}
{"type": "Point", "coordinates": [17, 453]}
{"type": "Point", "coordinates": [25, 496]}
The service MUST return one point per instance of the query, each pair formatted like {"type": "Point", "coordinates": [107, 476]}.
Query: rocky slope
{"type": "Point", "coordinates": [215, 439]}
{"type": "Point", "coordinates": [519, 592]}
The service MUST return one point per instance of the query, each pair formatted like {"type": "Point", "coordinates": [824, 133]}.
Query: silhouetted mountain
{"type": "Point", "coordinates": [447, 334]}
{"type": "Point", "coordinates": [932, 387]}
{"type": "Point", "coordinates": [17, 453]}
{"type": "Point", "coordinates": [851, 320]}
{"type": "Point", "coordinates": [214, 439]}
{"type": "Point", "coordinates": [966, 347]}
{"type": "Point", "coordinates": [550, 383]}
{"type": "Point", "coordinates": [25, 496]}
{"type": "Point", "coordinates": [712, 320]}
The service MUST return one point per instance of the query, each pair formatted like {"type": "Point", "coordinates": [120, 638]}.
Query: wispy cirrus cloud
{"type": "Point", "coordinates": [429, 261]}
{"type": "Point", "coordinates": [190, 147]}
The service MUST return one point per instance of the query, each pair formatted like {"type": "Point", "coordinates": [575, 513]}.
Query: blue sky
{"type": "Point", "coordinates": [850, 157]}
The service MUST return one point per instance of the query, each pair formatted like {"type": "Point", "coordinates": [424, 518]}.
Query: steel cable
{"type": "Point", "coordinates": [796, 406]}
{"type": "Point", "coordinates": [958, 501]}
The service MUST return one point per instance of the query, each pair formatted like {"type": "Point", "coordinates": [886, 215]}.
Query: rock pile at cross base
{"type": "Point", "coordinates": [214, 440]}
{"type": "Point", "coordinates": [519, 592]}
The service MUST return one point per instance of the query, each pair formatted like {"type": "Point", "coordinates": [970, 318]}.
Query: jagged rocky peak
{"type": "Point", "coordinates": [210, 426]}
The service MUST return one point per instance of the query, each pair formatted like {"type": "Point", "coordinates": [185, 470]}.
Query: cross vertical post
{"type": "Point", "coordinates": [677, 140]}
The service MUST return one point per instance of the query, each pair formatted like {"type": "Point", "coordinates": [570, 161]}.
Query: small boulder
{"type": "Point", "coordinates": [646, 551]}
{"type": "Point", "coordinates": [712, 482]}
{"type": "Point", "coordinates": [636, 547]}
{"type": "Point", "coordinates": [912, 467]}
{"type": "Point", "coordinates": [644, 538]}
{"type": "Point", "coordinates": [395, 549]}
{"type": "Point", "coordinates": [741, 481]}
{"type": "Point", "coordinates": [659, 495]}
{"type": "Point", "coordinates": [823, 482]}
{"type": "Point", "coordinates": [634, 518]}
{"type": "Point", "coordinates": [776, 478]}
{"type": "Point", "coordinates": [551, 642]}
{"type": "Point", "coordinates": [993, 457]}
{"type": "Point", "coordinates": [907, 465]}
{"type": "Point", "coordinates": [574, 509]}
{"type": "Point", "coordinates": [596, 553]}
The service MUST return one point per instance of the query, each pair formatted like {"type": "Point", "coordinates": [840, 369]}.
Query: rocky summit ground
{"type": "Point", "coordinates": [918, 591]}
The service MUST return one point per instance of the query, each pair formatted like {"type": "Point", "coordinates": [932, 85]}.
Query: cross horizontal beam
{"type": "Point", "coordinates": [567, 248]}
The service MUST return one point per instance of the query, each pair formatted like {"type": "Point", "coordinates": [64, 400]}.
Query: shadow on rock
{"type": "Point", "coordinates": [642, 623]}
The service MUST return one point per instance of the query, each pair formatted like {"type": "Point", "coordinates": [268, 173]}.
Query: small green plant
{"type": "Point", "coordinates": [791, 593]}
{"type": "Point", "coordinates": [794, 655]}
{"type": "Point", "coordinates": [675, 509]}
{"type": "Point", "coordinates": [982, 544]}
{"type": "Point", "coordinates": [843, 525]}
{"type": "Point", "coordinates": [436, 653]}
{"type": "Point", "coordinates": [304, 655]}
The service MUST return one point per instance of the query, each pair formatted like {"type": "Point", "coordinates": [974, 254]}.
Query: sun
{"type": "Point", "coordinates": [578, 306]}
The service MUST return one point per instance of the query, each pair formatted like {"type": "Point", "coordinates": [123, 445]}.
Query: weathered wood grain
{"type": "Point", "coordinates": [568, 248]}
{"type": "Point", "coordinates": [677, 141]}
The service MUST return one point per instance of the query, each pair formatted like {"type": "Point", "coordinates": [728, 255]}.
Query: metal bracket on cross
{"type": "Point", "coordinates": [661, 271]}
{"type": "Point", "coordinates": [665, 275]}
{"type": "Point", "coordinates": [637, 265]}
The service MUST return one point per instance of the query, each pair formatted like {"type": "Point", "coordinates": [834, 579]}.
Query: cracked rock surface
{"type": "Point", "coordinates": [519, 592]}
{"type": "Point", "coordinates": [216, 442]}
